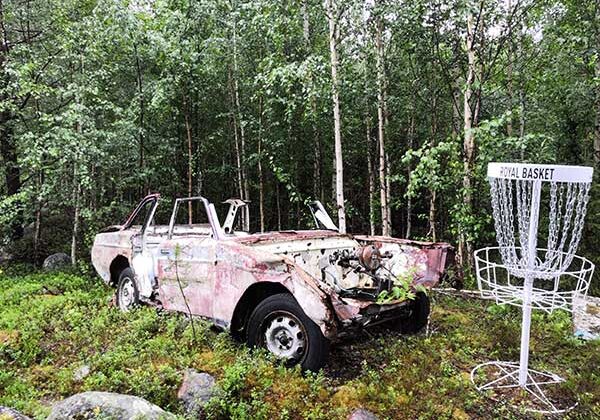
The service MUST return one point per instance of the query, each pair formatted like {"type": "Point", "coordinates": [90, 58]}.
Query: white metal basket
{"type": "Point", "coordinates": [519, 273]}
{"type": "Point", "coordinates": [549, 291]}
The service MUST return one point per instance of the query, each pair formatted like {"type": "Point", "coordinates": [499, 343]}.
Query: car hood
{"type": "Point", "coordinates": [289, 236]}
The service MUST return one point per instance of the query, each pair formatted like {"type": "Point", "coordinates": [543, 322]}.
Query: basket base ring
{"type": "Point", "coordinates": [496, 378]}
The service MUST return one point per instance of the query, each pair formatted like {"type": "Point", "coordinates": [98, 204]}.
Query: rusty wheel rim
{"type": "Point", "coordinates": [284, 336]}
{"type": "Point", "coordinates": [126, 294]}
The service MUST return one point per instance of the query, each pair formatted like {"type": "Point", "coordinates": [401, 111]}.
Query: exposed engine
{"type": "Point", "coordinates": [353, 268]}
{"type": "Point", "coordinates": [366, 265]}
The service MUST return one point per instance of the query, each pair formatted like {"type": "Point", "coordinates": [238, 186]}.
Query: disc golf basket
{"type": "Point", "coordinates": [519, 273]}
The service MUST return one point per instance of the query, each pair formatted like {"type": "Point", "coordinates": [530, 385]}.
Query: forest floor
{"type": "Point", "coordinates": [52, 324]}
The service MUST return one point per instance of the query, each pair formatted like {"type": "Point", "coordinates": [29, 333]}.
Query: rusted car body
{"type": "Point", "coordinates": [222, 274]}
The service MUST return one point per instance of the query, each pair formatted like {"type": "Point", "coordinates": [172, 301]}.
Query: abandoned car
{"type": "Point", "coordinates": [291, 292]}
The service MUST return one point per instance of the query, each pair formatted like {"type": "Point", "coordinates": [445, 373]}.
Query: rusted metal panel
{"type": "Point", "coordinates": [431, 258]}
{"type": "Point", "coordinates": [288, 235]}
{"type": "Point", "coordinates": [208, 278]}
{"type": "Point", "coordinates": [107, 246]}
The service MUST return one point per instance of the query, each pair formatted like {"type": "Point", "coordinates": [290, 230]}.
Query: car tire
{"type": "Point", "coordinates": [128, 295]}
{"type": "Point", "coordinates": [279, 325]}
{"type": "Point", "coordinates": [420, 308]}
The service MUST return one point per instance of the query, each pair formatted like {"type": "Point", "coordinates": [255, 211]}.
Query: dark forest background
{"type": "Point", "coordinates": [103, 101]}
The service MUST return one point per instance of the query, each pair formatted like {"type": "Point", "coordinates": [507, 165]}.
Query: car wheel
{"type": "Point", "coordinates": [417, 320]}
{"type": "Point", "coordinates": [128, 295]}
{"type": "Point", "coordinates": [279, 325]}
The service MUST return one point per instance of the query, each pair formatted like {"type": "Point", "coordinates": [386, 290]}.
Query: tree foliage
{"type": "Point", "coordinates": [102, 101]}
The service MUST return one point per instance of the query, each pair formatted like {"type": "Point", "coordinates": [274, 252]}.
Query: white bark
{"type": "Point", "coordinates": [317, 183]}
{"type": "Point", "coordinates": [76, 187]}
{"type": "Point", "coordinates": [245, 189]}
{"type": "Point", "coordinates": [334, 36]}
{"type": "Point", "coordinates": [468, 140]}
{"type": "Point", "coordinates": [411, 136]}
{"type": "Point", "coordinates": [597, 104]}
{"type": "Point", "coordinates": [76, 198]}
{"type": "Point", "coordinates": [371, 179]}
{"type": "Point", "coordinates": [188, 131]}
{"type": "Point", "coordinates": [432, 214]}
{"type": "Point", "coordinates": [261, 180]}
{"type": "Point", "coordinates": [509, 73]}
{"type": "Point", "coordinates": [381, 107]}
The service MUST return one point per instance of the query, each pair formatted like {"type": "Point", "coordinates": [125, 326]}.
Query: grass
{"type": "Point", "coordinates": [52, 324]}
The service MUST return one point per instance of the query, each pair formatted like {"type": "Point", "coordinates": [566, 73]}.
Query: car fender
{"type": "Point", "coordinates": [238, 267]}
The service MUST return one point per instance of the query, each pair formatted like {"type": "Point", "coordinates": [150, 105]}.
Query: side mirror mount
{"type": "Point", "coordinates": [234, 205]}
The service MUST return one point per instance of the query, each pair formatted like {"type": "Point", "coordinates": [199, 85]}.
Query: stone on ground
{"type": "Point", "coordinates": [56, 261]}
{"type": "Point", "coordinates": [102, 405]}
{"type": "Point", "coordinates": [586, 317]}
{"type": "Point", "coordinates": [7, 413]}
{"type": "Point", "coordinates": [196, 390]}
{"type": "Point", "coordinates": [362, 414]}
{"type": "Point", "coordinates": [81, 373]}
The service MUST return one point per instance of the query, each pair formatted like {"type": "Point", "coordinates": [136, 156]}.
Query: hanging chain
{"type": "Point", "coordinates": [566, 213]}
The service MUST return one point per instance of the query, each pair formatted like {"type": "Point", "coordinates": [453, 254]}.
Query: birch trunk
{"type": "Point", "coordinates": [432, 192]}
{"type": "Point", "coordinates": [334, 35]}
{"type": "Point", "coordinates": [597, 99]}
{"type": "Point", "coordinates": [411, 140]}
{"type": "Point", "coordinates": [76, 185]}
{"type": "Point", "coordinates": [468, 141]}
{"type": "Point", "coordinates": [383, 185]}
{"type": "Point", "coordinates": [199, 174]}
{"type": "Point", "coordinates": [140, 87]}
{"type": "Point", "coordinates": [522, 118]}
{"type": "Point", "coordinates": [278, 198]}
{"type": "Point", "coordinates": [522, 100]}
{"type": "Point", "coordinates": [432, 215]}
{"type": "Point", "coordinates": [75, 233]}
{"type": "Point", "coordinates": [38, 220]}
{"type": "Point", "coordinates": [236, 137]}
{"type": "Point", "coordinates": [245, 189]}
{"type": "Point", "coordinates": [509, 72]}
{"type": "Point", "coordinates": [371, 179]}
{"type": "Point", "coordinates": [317, 183]}
{"type": "Point", "coordinates": [388, 193]}
{"type": "Point", "coordinates": [456, 93]}
{"type": "Point", "coordinates": [261, 180]}
{"type": "Point", "coordinates": [76, 201]}
{"type": "Point", "coordinates": [37, 233]}
{"type": "Point", "coordinates": [188, 132]}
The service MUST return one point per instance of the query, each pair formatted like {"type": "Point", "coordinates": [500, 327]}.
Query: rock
{"type": "Point", "coordinates": [195, 391]}
{"type": "Point", "coordinates": [102, 405]}
{"type": "Point", "coordinates": [5, 256]}
{"type": "Point", "coordinates": [11, 414]}
{"type": "Point", "coordinates": [56, 261]}
{"type": "Point", "coordinates": [586, 317]}
{"type": "Point", "coordinates": [81, 373]}
{"type": "Point", "coordinates": [362, 414]}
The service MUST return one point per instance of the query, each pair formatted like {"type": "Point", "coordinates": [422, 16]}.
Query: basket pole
{"type": "Point", "coordinates": [528, 286]}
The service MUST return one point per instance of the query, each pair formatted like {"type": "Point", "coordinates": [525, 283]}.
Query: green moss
{"type": "Point", "coordinates": [52, 324]}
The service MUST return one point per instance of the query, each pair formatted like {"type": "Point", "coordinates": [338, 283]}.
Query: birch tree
{"type": "Point", "coordinates": [468, 114]}
{"type": "Point", "coordinates": [333, 15]}
{"type": "Point", "coordinates": [386, 226]}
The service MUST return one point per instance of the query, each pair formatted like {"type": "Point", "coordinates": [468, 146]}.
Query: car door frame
{"type": "Point", "coordinates": [142, 260]}
{"type": "Point", "coordinates": [189, 293]}
{"type": "Point", "coordinates": [211, 213]}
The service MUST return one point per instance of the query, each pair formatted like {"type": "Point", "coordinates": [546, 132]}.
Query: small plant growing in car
{"type": "Point", "coordinates": [402, 289]}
